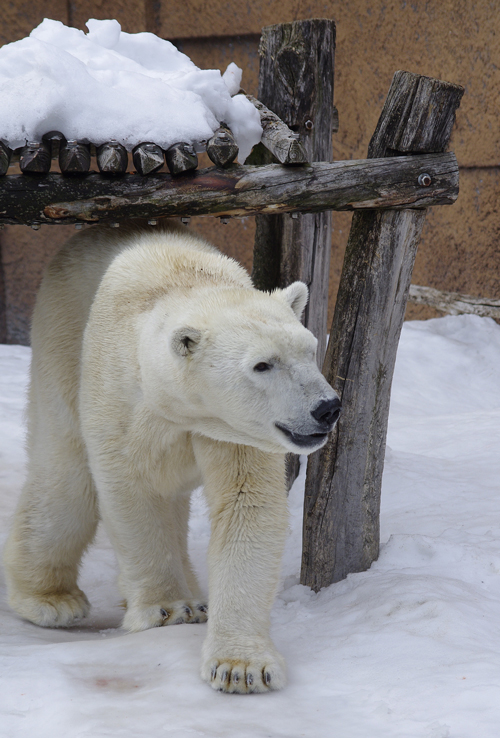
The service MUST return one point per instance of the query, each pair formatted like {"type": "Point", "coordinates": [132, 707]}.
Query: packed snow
{"type": "Point", "coordinates": [410, 648]}
{"type": "Point", "coordinates": [107, 84]}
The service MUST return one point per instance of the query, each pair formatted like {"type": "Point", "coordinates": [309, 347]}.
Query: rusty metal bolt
{"type": "Point", "coordinates": [424, 180]}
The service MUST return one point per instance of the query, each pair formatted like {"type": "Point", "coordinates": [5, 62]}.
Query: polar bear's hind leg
{"type": "Point", "coordinates": [54, 523]}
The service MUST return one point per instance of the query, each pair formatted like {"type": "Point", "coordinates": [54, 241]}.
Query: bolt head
{"type": "Point", "coordinates": [424, 180]}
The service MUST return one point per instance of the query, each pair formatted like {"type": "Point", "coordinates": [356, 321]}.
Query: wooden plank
{"type": "Point", "coordinates": [240, 191]}
{"type": "Point", "coordinates": [342, 502]}
{"type": "Point", "coordinates": [455, 303]}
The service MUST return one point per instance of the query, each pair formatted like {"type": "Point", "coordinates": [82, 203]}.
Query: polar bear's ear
{"type": "Point", "coordinates": [296, 295]}
{"type": "Point", "coordinates": [185, 340]}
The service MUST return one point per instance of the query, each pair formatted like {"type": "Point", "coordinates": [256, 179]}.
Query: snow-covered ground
{"type": "Point", "coordinates": [410, 648]}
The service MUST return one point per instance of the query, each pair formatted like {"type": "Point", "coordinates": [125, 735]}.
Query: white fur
{"type": "Point", "coordinates": [144, 385]}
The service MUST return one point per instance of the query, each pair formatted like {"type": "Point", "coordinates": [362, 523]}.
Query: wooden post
{"type": "Point", "coordinates": [296, 82]}
{"type": "Point", "coordinates": [341, 511]}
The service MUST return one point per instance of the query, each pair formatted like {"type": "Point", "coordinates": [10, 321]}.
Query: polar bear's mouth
{"type": "Point", "coordinates": [304, 441]}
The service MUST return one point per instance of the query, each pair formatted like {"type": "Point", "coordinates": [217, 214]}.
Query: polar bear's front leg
{"type": "Point", "coordinates": [245, 489]}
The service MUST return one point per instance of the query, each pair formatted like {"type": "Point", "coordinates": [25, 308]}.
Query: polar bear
{"type": "Point", "coordinates": [158, 367]}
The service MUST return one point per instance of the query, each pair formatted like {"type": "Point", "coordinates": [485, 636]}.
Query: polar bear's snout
{"type": "Point", "coordinates": [310, 436]}
{"type": "Point", "coordinates": [327, 412]}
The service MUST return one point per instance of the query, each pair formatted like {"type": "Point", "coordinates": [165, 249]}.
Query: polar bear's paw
{"type": "Point", "coordinates": [52, 610]}
{"type": "Point", "coordinates": [259, 674]}
{"type": "Point", "coordinates": [168, 613]}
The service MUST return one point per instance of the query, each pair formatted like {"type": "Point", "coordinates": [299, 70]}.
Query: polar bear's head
{"type": "Point", "coordinates": [240, 367]}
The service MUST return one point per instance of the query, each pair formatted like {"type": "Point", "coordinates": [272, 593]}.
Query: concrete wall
{"type": "Point", "coordinates": [454, 40]}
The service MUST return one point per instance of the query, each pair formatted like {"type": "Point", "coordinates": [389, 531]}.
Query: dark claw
{"type": "Point", "coordinates": [236, 678]}
{"type": "Point", "coordinates": [249, 680]}
{"type": "Point", "coordinates": [225, 676]}
{"type": "Point", "coordinates": [188, 610]}
{"type": "Point", "coordinates": [202, 608]}
{"type": "Point", "coordinates": [164, 613]}
{"type": "Point", "coordinates": [267, 678]}
{"type": "Point", "coordinates": [213, 673]}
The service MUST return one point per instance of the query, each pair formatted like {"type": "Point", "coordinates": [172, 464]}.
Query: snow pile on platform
{"type": "Point", "coordinates": [107, 85]}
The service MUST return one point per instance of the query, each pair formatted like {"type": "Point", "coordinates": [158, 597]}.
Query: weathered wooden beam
{"type": "Point", "coordinates": [455, 303]}
{"type": "Point", "coordinates": [277, 137]}
{"type": "Point", "coordinates": [342, 503]}
{"type": "Point", "coordinates": [222, 148]}
{"type": "Point", "coordinates": [181, 157]}
{"type": "Point", "coordinates": [237, 191]}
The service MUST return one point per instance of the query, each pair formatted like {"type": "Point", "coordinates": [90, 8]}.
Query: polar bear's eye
{"type": "Point", "coordinates": [262, 367]}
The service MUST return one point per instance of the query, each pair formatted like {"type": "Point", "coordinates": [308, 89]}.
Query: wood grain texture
{"type": "Point", "coordinates": [240, 191]}
{"type": "Point", "coordinates": [454, 303]}
{"type": "Point", "coordinates": [296, 81]}
{"type": "Point", "coordinates": [277, 137]}
{"type": "Point", "coordinates": [342, 501]}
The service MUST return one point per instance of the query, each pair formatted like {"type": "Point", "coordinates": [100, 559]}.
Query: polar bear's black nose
{"type": "Point", "coordinates": [327, 412]}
